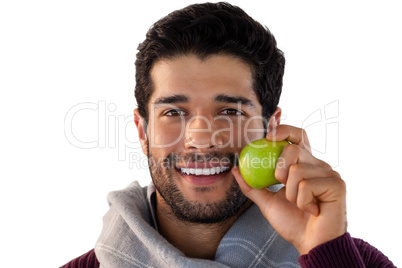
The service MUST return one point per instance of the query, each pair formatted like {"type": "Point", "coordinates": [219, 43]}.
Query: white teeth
{"type": "Point", "coordinates": [204, 171]}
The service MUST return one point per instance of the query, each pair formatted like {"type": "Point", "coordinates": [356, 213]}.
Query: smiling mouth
{"type": "Point", "coordinates": [204, 171]}
{"type": "Point", "coordinates": [207, 174]}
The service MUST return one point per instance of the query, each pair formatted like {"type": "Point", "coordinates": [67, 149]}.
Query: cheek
{"type": "Point", "coordinates": [237, 133]}
{"type": "Point", "coordinates": [164, 136]}
{"type": "Point", "coordinates": [252, 129]}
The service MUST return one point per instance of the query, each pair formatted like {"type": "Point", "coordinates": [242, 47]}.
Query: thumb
{"type": "Point", "coordinates": [260, 197]}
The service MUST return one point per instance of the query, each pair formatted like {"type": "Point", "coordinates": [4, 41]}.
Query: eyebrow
{"type": "Point", "coordinates": [221, 98]}
{"type": "Point", "coordinates": [179, 98]}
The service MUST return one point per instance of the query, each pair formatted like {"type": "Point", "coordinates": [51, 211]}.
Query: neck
{"type": "Point", "coordinates": [195, 240]}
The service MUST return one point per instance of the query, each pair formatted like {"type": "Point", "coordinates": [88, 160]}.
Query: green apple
{"type": "Point", "coordinates": [257, 162]}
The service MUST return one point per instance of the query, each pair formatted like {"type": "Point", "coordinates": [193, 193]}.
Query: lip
{"type": "Point", "coordinates": [202, 165]}
{"type": "Point", "coordinates": [203, 180]}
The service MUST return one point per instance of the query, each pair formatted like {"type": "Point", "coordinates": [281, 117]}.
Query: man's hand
{"type": "Point", "coordinates": [311, 208]}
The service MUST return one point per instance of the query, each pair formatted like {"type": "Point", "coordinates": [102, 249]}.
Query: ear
{"type": "Point", "coordinates": [274, 120]}
{"type": "Point", "coordinates": [141, 127]}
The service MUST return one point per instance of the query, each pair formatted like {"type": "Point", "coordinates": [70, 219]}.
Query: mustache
{"type": "Point", "coordinates": [227, 158]}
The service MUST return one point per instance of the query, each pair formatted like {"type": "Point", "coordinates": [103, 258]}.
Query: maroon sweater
{"type": "Point", "coordinates": [344, 251]}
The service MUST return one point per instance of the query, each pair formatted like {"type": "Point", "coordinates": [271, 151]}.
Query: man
{"type": "Point", "coordinates": [208, 81]}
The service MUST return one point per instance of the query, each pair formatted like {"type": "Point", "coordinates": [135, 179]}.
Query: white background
{"type": "Point", "coordinates": [55, 55]}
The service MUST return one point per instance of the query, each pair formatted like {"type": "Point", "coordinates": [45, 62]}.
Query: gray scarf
{"type": "Point", "coordinates": [130, 238]}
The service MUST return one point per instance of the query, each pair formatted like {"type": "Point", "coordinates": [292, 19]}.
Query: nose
{"type": "Point", "coordinates": [202, 134]}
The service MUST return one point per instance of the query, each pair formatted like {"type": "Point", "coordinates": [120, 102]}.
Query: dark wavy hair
{"type": "Point", "coordinates": [211, 29]}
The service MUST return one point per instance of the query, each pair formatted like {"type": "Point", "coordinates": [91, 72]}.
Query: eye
{"type": "Point", "coordinates": [231, 112]}
{"type": "Point", "coordinates": [175, 112]}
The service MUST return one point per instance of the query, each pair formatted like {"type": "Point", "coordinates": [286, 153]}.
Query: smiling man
{"type": "Point", "coordinates": [208, 82]}
{"type": "Point", "coordinates": [208, 99]}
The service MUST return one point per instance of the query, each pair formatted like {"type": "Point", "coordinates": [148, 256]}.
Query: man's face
{"type": "Point", "coordinates": [201, 114]}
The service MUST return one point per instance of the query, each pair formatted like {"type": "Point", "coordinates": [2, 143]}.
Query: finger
{"type": "Point", "coordinates": [319, 192]}
{"type": "Point", "coordinates": [300, 172]}
{"type": "Point", "coordinates": [294, 154]}
{"type": "Point", "coordinates": [260, 197]}
{"type": "Point", "coordinates": [290, 133]}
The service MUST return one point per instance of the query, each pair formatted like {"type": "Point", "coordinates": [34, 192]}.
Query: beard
{"type": "Point", "coordinates": [162, 173]}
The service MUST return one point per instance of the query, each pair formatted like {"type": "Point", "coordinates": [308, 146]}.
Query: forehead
{"type": "Point", "coordinates": [202, 78]}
